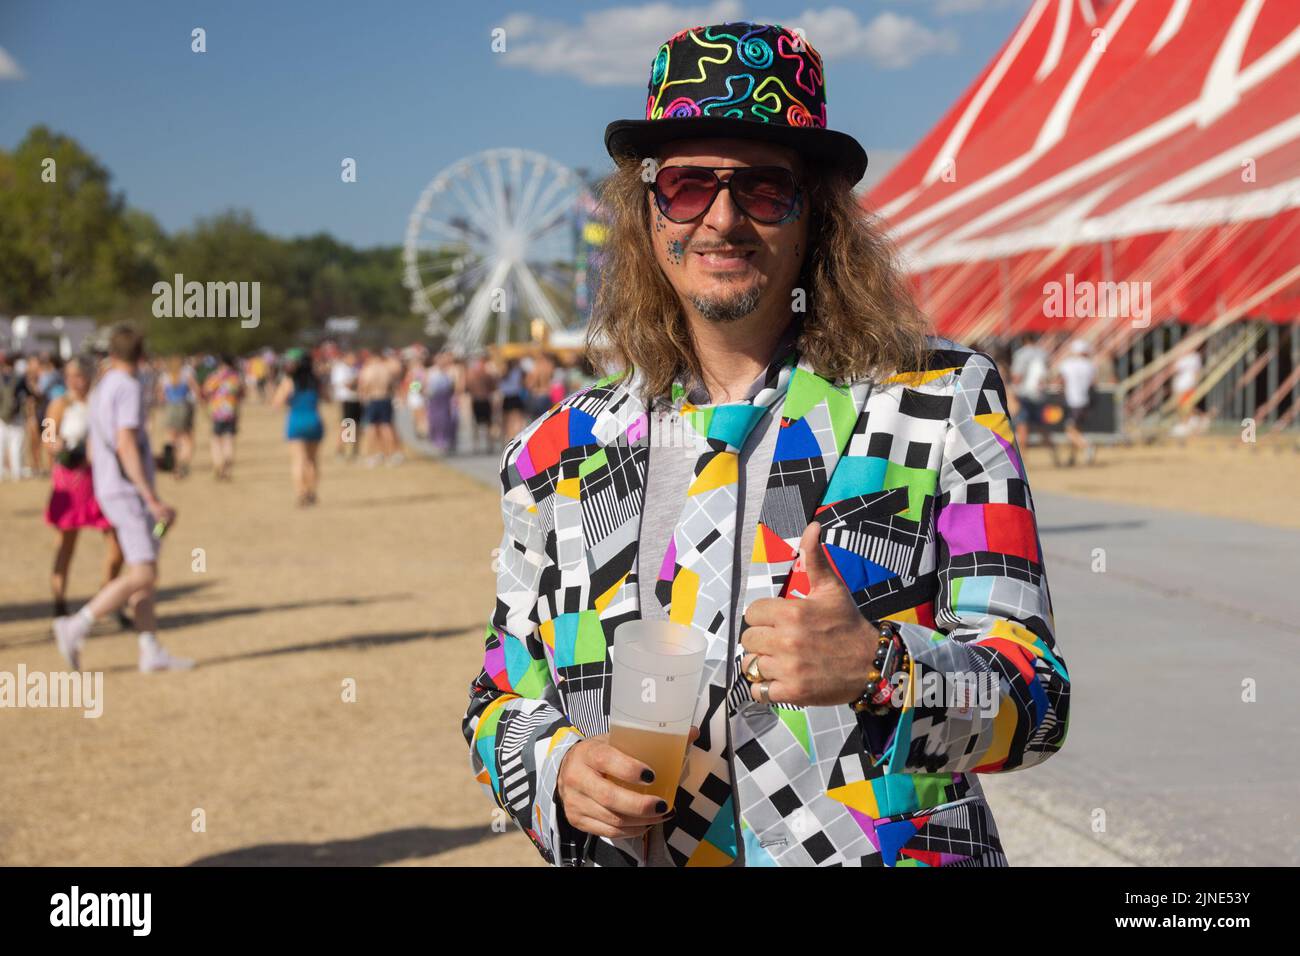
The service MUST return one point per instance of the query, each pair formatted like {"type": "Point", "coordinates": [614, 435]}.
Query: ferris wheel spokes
{"type": "Point", "coordinates": [484, 245]}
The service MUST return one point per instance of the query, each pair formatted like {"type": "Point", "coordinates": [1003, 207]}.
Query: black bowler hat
{"type": "Point", "coordinates": [740, 80]}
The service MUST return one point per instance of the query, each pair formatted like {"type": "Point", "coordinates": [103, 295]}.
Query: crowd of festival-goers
{"type": "Point", "coordinates": [457, 404]}
{"type": "Point", "coordinates": [452, 403]}
{"type": "Point", "coordinates": [368, 405]}
{"type": "Point", "coordinates": [364, 405]}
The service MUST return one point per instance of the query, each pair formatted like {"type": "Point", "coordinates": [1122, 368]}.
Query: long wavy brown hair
{"type": "Point", "coordinates": [860, 319]}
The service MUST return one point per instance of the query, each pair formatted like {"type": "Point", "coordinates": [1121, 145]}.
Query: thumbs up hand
{"type": "Point", "coordinates": [815, 651]}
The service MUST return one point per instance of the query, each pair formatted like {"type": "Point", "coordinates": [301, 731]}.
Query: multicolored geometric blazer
{"type": "Point", "coordinates": [927, 517]}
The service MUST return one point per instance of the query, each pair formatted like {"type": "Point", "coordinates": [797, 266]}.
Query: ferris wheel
{"type": "Point", "coordinates": [491, 247]}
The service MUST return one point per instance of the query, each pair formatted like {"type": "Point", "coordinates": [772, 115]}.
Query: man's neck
{"type": "Point", "coordinates": [121, 366]}
{"type": "Point", "coordinates": [733, 354]}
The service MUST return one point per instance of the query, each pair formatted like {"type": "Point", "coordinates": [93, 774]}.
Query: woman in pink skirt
{"type": "Point", "coordinates": [72, 503]}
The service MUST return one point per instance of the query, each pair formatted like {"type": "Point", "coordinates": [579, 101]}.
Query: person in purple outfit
{"type": "Point", "coordinates": [440, 389]}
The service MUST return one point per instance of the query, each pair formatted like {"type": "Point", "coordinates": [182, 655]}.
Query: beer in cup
{"type": "Point", "coordinates": [658, 667]}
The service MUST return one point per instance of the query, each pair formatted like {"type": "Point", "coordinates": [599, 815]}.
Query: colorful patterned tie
{"type": "Point", "coordinates": [695, 588]}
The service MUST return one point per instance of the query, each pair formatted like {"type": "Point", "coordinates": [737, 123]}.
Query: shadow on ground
{"type": "Point", "coordinates": [171, 622]}
{"type": "Point", "coordinates": [36, 610]}
{"type": "Point", "coordinates": [391, 846]}
{"type": "Point", "coordinates": [351, 642]}
{"type": "Point", "coordinates": [1089, 526]}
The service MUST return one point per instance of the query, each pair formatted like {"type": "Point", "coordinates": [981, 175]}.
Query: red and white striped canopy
{"type": "Point", "coordinates": [1113, 140]}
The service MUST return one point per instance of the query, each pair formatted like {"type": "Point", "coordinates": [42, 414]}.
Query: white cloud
{"type": "Point", "coordinates": [9, 68]}
{"type": "Point", "coordinates": [888, 40]}
{"type": "Point", "coordinates": [614, 47]}
{"type": "Point", "coordinates": [611, 47]}
{"type": "Point", "coordinates": [950, 7]}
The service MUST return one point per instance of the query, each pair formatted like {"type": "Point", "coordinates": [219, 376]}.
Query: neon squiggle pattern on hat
{"type": "Point", "coordinates": [738, 74]}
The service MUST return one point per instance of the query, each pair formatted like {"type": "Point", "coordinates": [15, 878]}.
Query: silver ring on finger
{"type": "Point", "coordinates": [763, 689]}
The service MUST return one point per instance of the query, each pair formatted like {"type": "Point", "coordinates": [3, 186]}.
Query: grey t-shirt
{"type": "Point", "coordinates": [668, 476]}
{"type": "Point", "coordinates": [117, 401]}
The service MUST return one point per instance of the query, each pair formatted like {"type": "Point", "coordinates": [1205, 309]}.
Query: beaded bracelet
{"type": "Point", "coordinates": [891, 657]}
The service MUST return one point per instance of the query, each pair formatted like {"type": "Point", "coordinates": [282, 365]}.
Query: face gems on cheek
{"type": "Point", "coordinates": [675, 249]}
{"type": "Point", "coordinates": [660, 222]}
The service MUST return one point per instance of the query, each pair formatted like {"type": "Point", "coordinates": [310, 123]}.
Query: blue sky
{"type": "Point", "coordinates": [287, 89]}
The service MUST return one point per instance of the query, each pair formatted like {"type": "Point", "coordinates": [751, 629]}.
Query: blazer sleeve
{"type": "Point", "coordinates": [515, 725]}
{"type": "Point", "coordinates": [988, 689]}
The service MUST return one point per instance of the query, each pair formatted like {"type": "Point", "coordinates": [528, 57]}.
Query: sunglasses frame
{"type": "Point", "coordinates": [720, 185]}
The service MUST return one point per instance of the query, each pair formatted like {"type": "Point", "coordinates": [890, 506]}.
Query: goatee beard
{"type": "Point", "coordinates": [728, 309]}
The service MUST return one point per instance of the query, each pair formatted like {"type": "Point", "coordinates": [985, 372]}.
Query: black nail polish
{"type": "Point", "coordinates": [647, 776]}
{"type": "Point", "coordinates": [661, 807]}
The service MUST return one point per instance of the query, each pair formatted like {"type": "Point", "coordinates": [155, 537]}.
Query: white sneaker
{"type": "Point", "coordinates": [396, 458]}
{"type": "Point", "coordinates": [69, 637]}
{"type": "Point", "coordinates": [158, 658]}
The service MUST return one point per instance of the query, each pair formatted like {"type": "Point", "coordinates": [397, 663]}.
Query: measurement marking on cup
{"type": "Point", "coordinates": [655, 687]}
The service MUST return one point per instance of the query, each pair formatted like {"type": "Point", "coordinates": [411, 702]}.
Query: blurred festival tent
{"type": "Point", "coordinates": [1118, 141]}
{"type": "Point", "coordinates": [59, 335]}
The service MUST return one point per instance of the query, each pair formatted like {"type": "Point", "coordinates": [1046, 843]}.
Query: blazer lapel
{"type": "Point", "coordinates": [608, 493]}
{"type": "Point", "coordinates": [822, 418]}
{"type": "Point", "coordinates": [600, 495]}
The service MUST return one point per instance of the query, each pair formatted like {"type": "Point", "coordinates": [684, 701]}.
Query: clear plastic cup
{"type": "Point", "coordinates": [658, 667]}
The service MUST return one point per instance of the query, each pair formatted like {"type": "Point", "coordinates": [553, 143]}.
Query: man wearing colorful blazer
{"type": "Point", "coordinates": [848, 523]}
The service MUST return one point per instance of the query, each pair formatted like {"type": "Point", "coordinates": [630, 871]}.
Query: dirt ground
{"type": "Point", "coordinates": [387, 583]}
{"type": "Point", "coordinates": [1213, 475]}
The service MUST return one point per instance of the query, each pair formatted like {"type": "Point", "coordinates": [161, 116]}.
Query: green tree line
{"type": "Point", "coordinates": [70, 245]}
